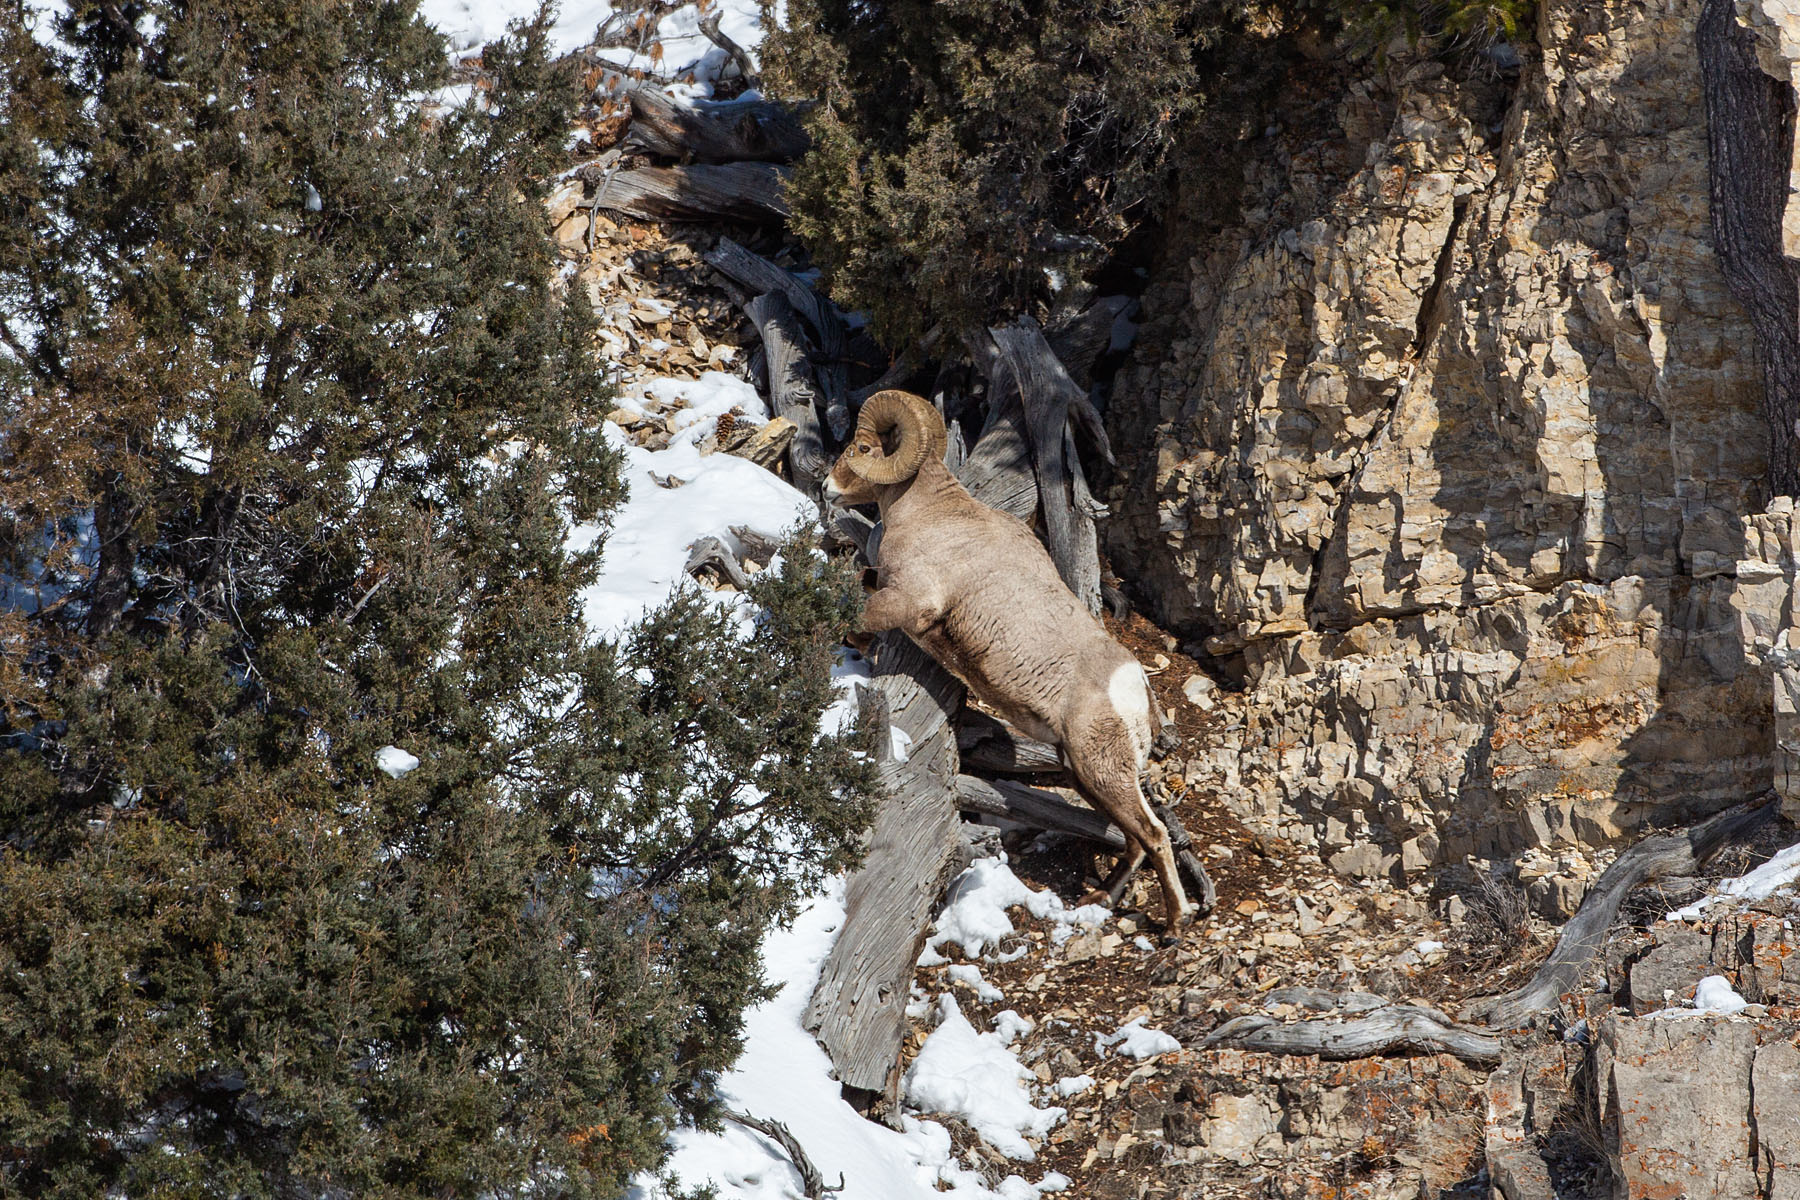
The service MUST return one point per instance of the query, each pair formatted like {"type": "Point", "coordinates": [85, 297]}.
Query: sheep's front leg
{"type": "Point", "coordinates": [891, 608]}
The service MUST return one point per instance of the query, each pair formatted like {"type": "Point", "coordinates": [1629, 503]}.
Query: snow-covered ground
{"type": "Point", "coordinates": [675, 49]}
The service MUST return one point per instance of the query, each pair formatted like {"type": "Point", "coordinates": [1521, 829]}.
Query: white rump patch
{"type": "Point", "coordinates": [1129, 692]}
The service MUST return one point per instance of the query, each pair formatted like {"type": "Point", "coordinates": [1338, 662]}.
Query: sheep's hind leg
{"type": "Point", "coordinates": [1111, 784]}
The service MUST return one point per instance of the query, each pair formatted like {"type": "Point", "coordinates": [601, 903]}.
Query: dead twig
{"type": "Point", "coordinates": [810, 1180]}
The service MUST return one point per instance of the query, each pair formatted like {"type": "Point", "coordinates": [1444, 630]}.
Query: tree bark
{"type": "Point", "coordinates": [740, 191]}
{"type": "Point", "coordinates": [757, 274]}
{"type": "Point", "coordinates": [793, 392]}
{"type": "Point", "coordinates": [1750, 139]}
{"type": "Point", "coordinates": [858, 1009]}
{"type": "Point", "coordinates": [737, 131]}
{"type": "Point", "coordinates": [1025, 364]}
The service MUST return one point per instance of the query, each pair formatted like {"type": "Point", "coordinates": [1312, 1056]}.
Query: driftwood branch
{"type": "Point", "coordinates": [1383, 1031]}
{"type": "Point", "coordinates": [990, 744]}
{"type": "Point", "coordinates": [736, 131]}
{"type": "Point", "coordinates": [1206, 894]}
{"type": "Point", "coordinates": [811, 1182]}
{"type": "Point", "coordinates": [1653, 858]}
{"type": "Point", "coordinates": [1038, 809]}
{"type": "Point", "coordinates": [1024, 364]}
{"type": "Point", "coordinates": [709, 25]}
{"type": "Point", "coordinates": [738, 191]}
{"type": "Point", "coordinates": [714, 553]}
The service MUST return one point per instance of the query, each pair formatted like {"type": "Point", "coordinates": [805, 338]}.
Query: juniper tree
{"type": "Point", "coordinates": [294, 420]}
{"type": "Point", "coordinates": [971, 158]}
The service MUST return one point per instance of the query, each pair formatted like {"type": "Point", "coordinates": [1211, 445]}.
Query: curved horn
{"type": "Point", "coordinates": [921, 434]}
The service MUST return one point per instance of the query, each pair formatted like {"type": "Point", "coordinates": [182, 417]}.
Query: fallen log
{"type": "Point", "coordinates": [1206, 895]}
{"type": "Point", "coordinates": [713, 552]}
{"type": "Point", "coordinates": [1038, 809]}
{"type": "Point", "coordinates": [1383, 1031]}
{"type": "Point", "coordinates": [990, 744]}
{"type": "Point", "coordinates": [739, 191]}
{"type": "Point", "coordinates": [858, 1009]}
{"type": "Point", "coordinates": [1581, 939]}
{"type": "Point", "coordinates": [736, 131]}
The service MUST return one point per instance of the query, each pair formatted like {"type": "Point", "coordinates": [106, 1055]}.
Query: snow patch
{"type": "Point", "coordinates": [1778, 873]}
{"type": "Point", "coordinates": [1135, 1041]}
{"type": "Point", "coordinates": [395, 761]}
{"type": "Point", "coordinates": [974, 1076]}
{"type": "Point", "coordinates": [975, 915]}
{"type": "Point", "coordinates": [645, 556]}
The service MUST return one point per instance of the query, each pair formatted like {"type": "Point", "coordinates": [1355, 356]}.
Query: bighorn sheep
{"type": "Point", "coordinates": [979, 593]}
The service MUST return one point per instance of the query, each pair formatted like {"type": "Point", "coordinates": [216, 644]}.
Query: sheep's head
{"type": "Point", "coordinates": [895, 433]}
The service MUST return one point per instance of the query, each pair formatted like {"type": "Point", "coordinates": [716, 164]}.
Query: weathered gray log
{"type": "Point", "coordinates": [857, 1010]}
{"type": "Point", "coordinates": [856, 529]}
{"type": "Point", "coordinates": [1038, 809]}
{"type": "Point", "coordinates": [793, 391]}
{"type": "Point", "coordinates": [1078, 338]}
{"type": "Point", "coordinates": [736, 131]}
{"type": "Point", "coordinates": [1087, 417]}
{"type": "Point", "coordinates": [1383, 1031]}
{"type": "Point", "coordinates": [998, 471]}
{"type": "Point", "coordinates": [811, 1182]}
{"type": "Point", "coordinates": [758, 548]}
{"type": "Point", "coordinates": [1652, 858]}
{"type": "Point", "coordinates": [712, 552]}
{"type": "Point", "coordinates": [742, 191]}
{"type": "Point", "coordinates": [1024, 364]}
{"type": "Point", "coordinates": [757, 275]}
{"type": "Point", "coordinates": [990, 744]}
{"type": "Point", "coordinates": [1206, 895]}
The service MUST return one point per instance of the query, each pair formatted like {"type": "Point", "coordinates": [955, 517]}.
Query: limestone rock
{"type": "Point", "coordinates": [1449, 444]}
{"type": "Point", "coordinates": [1700, 1106]}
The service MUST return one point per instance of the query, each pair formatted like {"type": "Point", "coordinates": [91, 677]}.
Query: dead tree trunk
{"type": "Point", "coordinates": [757, 274]}
{"type": "Point", "coordinates": [858, 1010]}
{"type": "Point", "coordinates": [792, 392]}
{"type": "Point", "coordinates": [739, 191]}
{"type": "Point", "coordinates": [1750, 140]}
{"type": "Point", "coordinates": [1581, 939]}
{"type": "Point", "coordinates": [738, 131]}
{"type": "Point", "coordinates": [1024, 364]}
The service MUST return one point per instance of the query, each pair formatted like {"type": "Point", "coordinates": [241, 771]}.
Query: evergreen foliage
{"type": "Point", "coordinates": [973, 157]}
{"type": "Point", "coordinates": [293, 423]}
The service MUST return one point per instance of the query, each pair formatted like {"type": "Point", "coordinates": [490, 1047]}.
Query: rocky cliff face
{"type": "Point", "coordinates": [1448, 442]}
